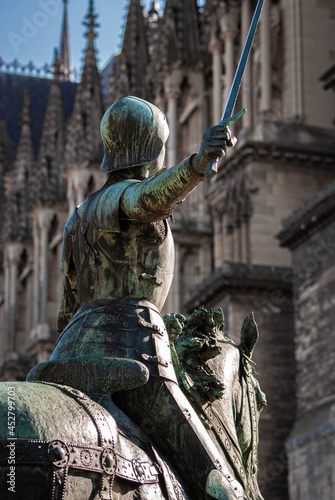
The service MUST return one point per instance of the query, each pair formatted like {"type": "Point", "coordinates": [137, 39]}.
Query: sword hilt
{"type": "Point", "coordinates": [212, 168]}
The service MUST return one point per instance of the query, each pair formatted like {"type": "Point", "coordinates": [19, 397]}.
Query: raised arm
{"type": "Point", "coordinates": [156, 197]}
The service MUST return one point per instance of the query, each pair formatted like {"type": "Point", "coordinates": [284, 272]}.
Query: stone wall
{"type": "Point", "coordinates": [281, 187]}
{"type": "Point", "coordinates": [311, 445]}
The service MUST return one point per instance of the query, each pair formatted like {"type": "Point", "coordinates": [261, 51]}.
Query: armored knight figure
{"type": "Point", "coordinates": [118, 259]}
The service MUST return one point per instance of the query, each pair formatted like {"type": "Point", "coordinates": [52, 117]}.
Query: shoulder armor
{"type": "Point", "coordinates": [71, 224]}
{"type": "Point", "coordinates": [107, 207]}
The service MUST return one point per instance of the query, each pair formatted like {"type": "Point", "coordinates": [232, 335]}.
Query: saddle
{"type": "Point", "coordinates": [110, 454]}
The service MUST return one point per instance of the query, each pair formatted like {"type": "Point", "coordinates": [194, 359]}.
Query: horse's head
{"type": "Point", "coordinates": [218, 376]}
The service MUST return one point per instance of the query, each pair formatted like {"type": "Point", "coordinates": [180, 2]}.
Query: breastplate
{"type": "Point", "coordinates": [135, 262]}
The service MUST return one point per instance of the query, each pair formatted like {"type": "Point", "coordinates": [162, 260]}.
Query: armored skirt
{"type": "Point", "coordinates": [121, 328]}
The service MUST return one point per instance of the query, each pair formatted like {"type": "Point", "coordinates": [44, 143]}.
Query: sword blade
{"type": "Point", "coordinates": [234, 90]}
{"type": "Point", "coordinates": [227, 118]}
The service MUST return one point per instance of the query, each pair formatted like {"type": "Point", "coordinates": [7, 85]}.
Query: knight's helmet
{"type": "Point", "coordinates": [134, 132]}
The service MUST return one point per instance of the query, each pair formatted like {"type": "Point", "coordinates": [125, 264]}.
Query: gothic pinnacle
{"type": "Point", "coordinates": [26, 113]}
{"type": "Point", "coordinates": [91, 24]}
{"type": "Point", "coordinates": [56, 65]}
{"type": "Point", "coordinates": [24, 152]}
{"type": "Point", "coordinates": [64, 56]}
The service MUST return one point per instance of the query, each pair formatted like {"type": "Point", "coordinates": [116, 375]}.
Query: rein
{"type": "Point", "coordinates": [249, 378]}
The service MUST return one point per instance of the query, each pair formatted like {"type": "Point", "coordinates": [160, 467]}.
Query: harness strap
{"type": "Point", "coordinates": [253, 462]}
{"type": "Point", "coordinates": [59, 477]}
{"type": "Point", "coordinates": [89, 458]}
{"type": "Point", "coordinates": [228, 445]}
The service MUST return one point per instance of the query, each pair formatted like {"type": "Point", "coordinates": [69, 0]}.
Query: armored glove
{"type": "Point", "coordinates": [214, 144]}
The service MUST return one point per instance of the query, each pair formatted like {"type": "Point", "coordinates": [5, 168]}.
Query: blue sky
{"type": "Point", "coordinates": [30, 29]}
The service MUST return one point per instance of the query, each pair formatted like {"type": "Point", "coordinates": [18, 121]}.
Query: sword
{"type": "Point", "coordinates": [227, 118]}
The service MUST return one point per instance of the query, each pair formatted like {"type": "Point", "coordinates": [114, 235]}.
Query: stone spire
{"type": "Point", "coordinates": [129, 74]}
{"type": "Point", "coordinates": [153, 11]}
{"type": "Point", "coordinates": [90, 75]}
{"type": "Point", "coordinates": [64, 57]}
{"type": "Point", "coordinates": [2, 188]}
{"type": "Point", "coordinates": [178, 40]}
{"type": "Point", "coordinates": [16, 221]}
{"type": "Point", "coordinates": [135, 46]}
{"type": "Point", "coordinates": [24, 154]}
{"type": "Point", "coordinates": [47, 183]}
{"type": "Point", "coordinates": [5, 147]}
{"type": "Point", "coordinates": [83, 131]}
{"type": "Point", "coordinates": [52, 138]}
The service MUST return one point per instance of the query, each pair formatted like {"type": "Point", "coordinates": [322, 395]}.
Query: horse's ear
{"type": "Point", "coordinates": [249, 335]}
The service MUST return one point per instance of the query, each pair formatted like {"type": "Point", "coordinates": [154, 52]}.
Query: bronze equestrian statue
{"type": "Point", "coordinates": [113, 354]}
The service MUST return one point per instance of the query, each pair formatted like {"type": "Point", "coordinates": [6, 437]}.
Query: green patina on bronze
{"type": "Point", "coordinates": [196, 341]}
{"type": "Point", "coordinates": [193, 343]}
{"type": "Point", "coordinates": [135, 122]}
{"type": "Point", "coordinates": [114, 353]}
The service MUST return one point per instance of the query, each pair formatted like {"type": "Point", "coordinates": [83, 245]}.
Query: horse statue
{"type": "Point", "coordinates": [218, 376]}
{"type": "Point", "coordinates": [99, 453]}
{"type": "Point", "coordinates": [70, 447]}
